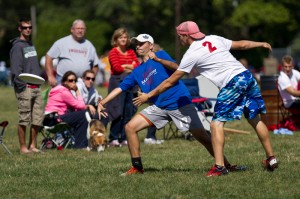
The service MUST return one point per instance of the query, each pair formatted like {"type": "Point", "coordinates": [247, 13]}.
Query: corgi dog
{"type": "Point", "coordinates": [96, 134]}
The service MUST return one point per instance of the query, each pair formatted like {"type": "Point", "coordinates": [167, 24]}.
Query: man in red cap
{"type": "Point", "coordinates": [239, 93]}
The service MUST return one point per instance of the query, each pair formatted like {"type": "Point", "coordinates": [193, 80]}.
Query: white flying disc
{"type": "Point", "coordinates": [31, 78]}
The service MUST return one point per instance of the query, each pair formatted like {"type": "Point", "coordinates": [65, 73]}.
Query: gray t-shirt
{"type": "Point", "coordinates": [73, 55]}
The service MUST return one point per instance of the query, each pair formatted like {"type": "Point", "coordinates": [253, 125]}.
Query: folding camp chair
{"type": "Point", "coordinates": [286, 115]}
{"type": "Point", "coordinates": [3, 125]}
{"type": "Point", "coordinates": [56, 134]}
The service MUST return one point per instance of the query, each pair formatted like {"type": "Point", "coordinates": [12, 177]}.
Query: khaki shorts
{"type": "Point", "coordinates": [185, 118]}
{"type": "Point", "coordinates": [30, 107]}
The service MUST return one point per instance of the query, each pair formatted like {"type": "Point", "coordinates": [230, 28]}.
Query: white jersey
{"type": "Point", "coordinates": [285, 81]}
{"type": "Point", "coordinates": [73, 55]}
{"type": "Point", "coordinates": [212, 59]}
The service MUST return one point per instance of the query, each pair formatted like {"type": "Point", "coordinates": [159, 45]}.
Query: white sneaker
{"type": "Point", "coordinates": [115, 143]}
{"type": "Point", "coordinates": [153, 141]}
{"type": "Point", "coordinates": [124, 143]}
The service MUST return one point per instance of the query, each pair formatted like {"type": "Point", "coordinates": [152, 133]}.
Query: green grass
{"type": "Point", "coordinates": [173, 170]}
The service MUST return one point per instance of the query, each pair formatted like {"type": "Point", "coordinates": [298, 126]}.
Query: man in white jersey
{"type": "Point", "coordinates": [74, 52]}
{"type": "Point", "coordinates": [288, 81]}
{"type": "Point", "coordinates": [239, 92]}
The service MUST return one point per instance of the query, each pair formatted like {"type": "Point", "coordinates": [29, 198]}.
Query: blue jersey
{"type": "Point", "coordinates": [149, 75]}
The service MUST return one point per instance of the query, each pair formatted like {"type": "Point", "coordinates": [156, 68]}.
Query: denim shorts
{"type": "Point", "coordinates": [240, 95]}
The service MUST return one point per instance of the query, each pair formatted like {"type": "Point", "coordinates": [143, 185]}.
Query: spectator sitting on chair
{"type": "Point", "coordinates": [70, 109]}
{"type": "Point", "coordinates": [288, 81]}
{"type": "Point", "coordinates": [89, 93]}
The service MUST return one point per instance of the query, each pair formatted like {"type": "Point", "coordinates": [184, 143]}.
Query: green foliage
{"type": "Point", "coordinates": [255, 13]}
{"type": "Point", "coordinates": [275, 21]}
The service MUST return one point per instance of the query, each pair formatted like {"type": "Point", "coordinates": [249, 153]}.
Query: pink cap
{"type": "Point", "coordinates": [190, 28]}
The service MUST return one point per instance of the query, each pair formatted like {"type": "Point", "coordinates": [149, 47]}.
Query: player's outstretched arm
{"type": "Point", "coordinates": [165, 85]}
{"type": "Point", "coordinates": [246, 44]}
{"type": "Point", "coordinates": [101, 106]}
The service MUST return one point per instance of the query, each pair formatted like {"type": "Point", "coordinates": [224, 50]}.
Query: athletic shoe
{"type": "Point", "coordinates": [270, 163]}
{"type": "Point", "coordinates": [115, 143]}
{"type": "Point", "coordinates": [215, 171]}
{"type": "Point", "coordinates": [132, 171]}
{"type": "Point", "coordinates": [124, 143]}
{"type": "Point", "coordinates": [234, 168]}
{"type": "Point", "coordinates": [153, 141]}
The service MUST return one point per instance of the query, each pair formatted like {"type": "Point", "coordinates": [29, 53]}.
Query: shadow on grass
{"type": "Point", "coordinates": [169, 169]}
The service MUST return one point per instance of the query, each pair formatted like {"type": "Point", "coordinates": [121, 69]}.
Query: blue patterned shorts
{"type": "Point", "coordinates": [240, 95]}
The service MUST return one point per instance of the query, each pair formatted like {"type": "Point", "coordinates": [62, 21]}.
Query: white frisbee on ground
{"type": "Point", "coordinates": [31, 78]}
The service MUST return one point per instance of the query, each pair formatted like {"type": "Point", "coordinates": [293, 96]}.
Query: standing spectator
{"type": "Point", "coordinates": [74, 52]}
{"type": "Point", "coordinates": [288, 81]}
{"type": "Point", "coordinates": [23, 59]}
{"type": "Point", "coordinates": [239, 92]}
{"type": "Point", "coordinates": [122, 60]}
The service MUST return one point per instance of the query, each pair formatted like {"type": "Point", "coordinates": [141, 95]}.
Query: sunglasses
{"type": "Point", "coordinates": [89, 78]}
{"type": "Point", "coordinates": [72, 80]}
{"type": "Point", "coordinates": [26, 27]}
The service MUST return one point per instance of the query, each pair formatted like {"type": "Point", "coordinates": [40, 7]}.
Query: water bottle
{"type": "Point", "coordinates": [59, 141]}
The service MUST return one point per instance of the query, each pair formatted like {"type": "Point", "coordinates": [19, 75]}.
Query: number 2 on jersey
{"type": "Point", "coordinates": [209, 45]}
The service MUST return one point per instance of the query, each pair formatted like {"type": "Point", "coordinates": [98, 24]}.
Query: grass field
{"type": "Point", "coordinates": [173, 170]}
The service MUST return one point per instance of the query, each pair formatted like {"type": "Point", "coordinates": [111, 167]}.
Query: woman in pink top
{"type": "Point", "coordinates": [61, 98]}
{"type": "Point", "coordinates": [70, 109]}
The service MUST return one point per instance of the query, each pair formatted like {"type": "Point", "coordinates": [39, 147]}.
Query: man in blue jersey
{"type": "Point", "coordinates": [174, 104]}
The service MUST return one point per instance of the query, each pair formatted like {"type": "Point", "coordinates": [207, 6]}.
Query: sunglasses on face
{"type": "Point", "coordinates": [26, 27]}
{"type": "Point", "coordinates": [71, 80]}
{"type": "Point", "coordinates": [89, 78]}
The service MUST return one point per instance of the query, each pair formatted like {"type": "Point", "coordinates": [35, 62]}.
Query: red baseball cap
{"type": "Point", "coordinates": [190, 28]}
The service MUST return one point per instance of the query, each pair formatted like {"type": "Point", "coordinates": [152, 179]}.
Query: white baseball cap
{"type": "Point", "coordinates": [143, 38]}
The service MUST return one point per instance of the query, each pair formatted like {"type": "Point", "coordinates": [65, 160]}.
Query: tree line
{"type": "Point", "coordinates": [274, 21]}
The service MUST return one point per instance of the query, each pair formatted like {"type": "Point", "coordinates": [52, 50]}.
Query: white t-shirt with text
{"type": "Point", "coordinates": [73, 55]}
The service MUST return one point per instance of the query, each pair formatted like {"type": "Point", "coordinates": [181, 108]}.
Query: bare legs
{"type": "Point", "coordinates": [218, 138]}
{"type": "Point", "coordinates": [22, 139]}
{"type": "Point", "coordinates": [218, 141]}
{"type": "Point", "coordinates": [132, 128]}
{"type": "Point", "coordinates": [32, 140]}
{"type": "Point", "coordinates": [205, 139]}
{"type": "Point", "coordinates": [263, 134]}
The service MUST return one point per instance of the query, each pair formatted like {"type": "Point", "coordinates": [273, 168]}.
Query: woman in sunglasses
{"type": "Point", "coordinates": [69, 108]}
